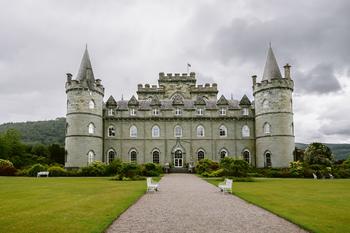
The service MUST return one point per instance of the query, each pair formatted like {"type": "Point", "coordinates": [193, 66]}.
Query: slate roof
{"type": "Point", "coordinates": [271, 69]}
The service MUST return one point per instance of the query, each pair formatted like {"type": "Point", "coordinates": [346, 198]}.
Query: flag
{"type": "Point", "coordinates": [188, 65]}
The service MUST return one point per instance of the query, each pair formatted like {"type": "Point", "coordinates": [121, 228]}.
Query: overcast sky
{"type": "Point", "coordinates": [130, 42]}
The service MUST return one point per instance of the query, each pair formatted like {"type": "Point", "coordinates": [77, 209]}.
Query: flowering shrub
{"type": "Point", "coordinates": [7, 168]}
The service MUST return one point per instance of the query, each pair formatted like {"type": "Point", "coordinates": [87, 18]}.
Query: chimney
{"type": "Point", "coordinates": [254, 79]}
{"type": "Point", "coordinates": [287, 71]}
{"type": "Point", "coordinates": [69, 77]}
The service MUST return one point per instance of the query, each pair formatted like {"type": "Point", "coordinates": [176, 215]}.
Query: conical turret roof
{"type": "Point", "coordinates": [85, 70]}
{"type": "Point", "coordinates": [271, 67]}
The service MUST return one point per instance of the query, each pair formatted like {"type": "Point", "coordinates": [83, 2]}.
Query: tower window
{"type": "Point", "coordinates": [200, 131]}
{"type": "Point", "coordinates": [91, 104]}
{"type": "Point", "coordinates": [246, 156]}
{"type": "Point", "coordinates": [222, 111]}
{"type": "Point", "coordinates": [111, 131]}
{"type": "Point", "coordinates": [222, 131]}
{"type": "Point", "coordinates": [133, 131]}
{"type": "Point", "coordinates": [91, 157]}
{"type": "Point", "coordinates": [245, 131]}
{"type": "Point", "coordinates": [200, 111]}
{"type": "Point", "coordinates": [268, 162]}
{"type": "Point", "coordinates": [178, 112]}
{"type": "Point", "coordinates": [132, 112]}
{"type": "Point", "coordinates": [155, 131]}
{"type": "Point", "coordinates": [91, 128]}
{"type": "Point", "coordinates": [155, 156]}
{"type": "Point", "coordinates": [265, 104]}
{"type": "Point", "coordinates": [200, 155]}
{"type": "Point", "coordinates": [245, 111]}
{"type": "Point", "coordinates": [178, 131]}
{"type": "Point", "coordinates": [133, 156]}
{"type": "Point", "coordinates": [267, 128]}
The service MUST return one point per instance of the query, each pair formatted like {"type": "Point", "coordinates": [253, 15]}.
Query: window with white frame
{"type": "Point", "coordinates": [245, 111]}
{"type": "Point", "coordinates": [200, 131]}
{"type": "Point", "coordinates": [155, 112]}
{"type": "Point", "coordinates": [178, 112]}
{"type": "Point", "coordinates": [110, 112]}
{"type": "Point", "coordinates": [178, 131]}
{"type": "Point", "coordinates": [222, 131]}
{"type": "Point", "coordinates": [267, 128]}
{"type": "Point", "coordinates": [245, 131]}
{"type": "Point", "coordinates": [200, 111]}
{"type": "Point", "coordinates": [133, 131]}
{"type": "Point", "coordinates": [91, 156]}
{"type": "Point", "coordinates": [155, 131]}
{"type": "Point", "coordinates": [223, 153]}
{"type": "Point", "coordinates": [111, 131]}
{"type": "Point", "coordinates": [133, 156]}
{"type": "Point", "coordinates": [222, 111]}
{"type": "Point", "coordinates": [91, 104]}
{"type": "Point", "coordinates": [91, 128]}
{"type": "Point", "coordinates": [132, 112]}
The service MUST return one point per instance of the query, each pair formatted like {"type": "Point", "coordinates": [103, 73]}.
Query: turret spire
{"type": "Point", "coordinates": [271, 67]}
{"type": "Point", "coordinates": [85, 70]}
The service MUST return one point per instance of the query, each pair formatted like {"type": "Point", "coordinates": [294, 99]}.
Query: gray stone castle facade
{"type": "Point", "coordinates": [179, 122]}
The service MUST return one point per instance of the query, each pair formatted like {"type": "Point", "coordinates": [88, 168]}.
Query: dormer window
{"type": "Point", "coordinates": [155, 112]}
{"type": "Point", "coordinates": [132, 112]}
{"type": "Point", "coordinates": [200, 111]}
{"type": "Point", "coordinates": [110, 112]}
{"type": "Point", "coordinates": [178, 112]}
{"type": "Point", "coordinates": [222, 111]}
{"type": "Point", "coordinates": [245, 111]}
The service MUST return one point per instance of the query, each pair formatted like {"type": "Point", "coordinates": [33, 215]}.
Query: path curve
{"type": "Point", "coordinates": [186, 203]}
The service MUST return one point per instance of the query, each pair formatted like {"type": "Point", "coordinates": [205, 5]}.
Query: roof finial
{"type": "Point", "coordinates": [85, 46]}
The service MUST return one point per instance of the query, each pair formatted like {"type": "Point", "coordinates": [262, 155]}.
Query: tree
{"type": "Point", "coordinates": [318, 154]}
{"type": "Point", "coordinates": [56, 153]}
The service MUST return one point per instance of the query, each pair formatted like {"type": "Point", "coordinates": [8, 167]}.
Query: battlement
{"type": "Point", "coordinates": [147, 88]}
{"type": "Point", "coordinates": [73, 84]}
{"type": "Point", "coordinates": [176, 77]}
{"type": "Point", "coordinates": [273, 83]}
{"type": "Point", "coordinates": [213, 88]}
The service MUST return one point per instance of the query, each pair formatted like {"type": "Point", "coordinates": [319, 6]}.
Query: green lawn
{"type": "Point", "coordinates": [64, 204]}
{"type": "Point", "coordinates": [316, 205]}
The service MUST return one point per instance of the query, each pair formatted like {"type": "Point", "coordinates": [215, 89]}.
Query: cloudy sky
{"type": "Point", "coordinates": [130, 42]}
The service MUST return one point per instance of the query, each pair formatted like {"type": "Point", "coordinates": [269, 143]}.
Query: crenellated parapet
{"type": "Point", "coordinates": [283, 83]}
{"type": "Point", "coordinates": [207, 88]}
{"type": "Point", "coordinates": [73, 84]}
{"type": "Point", "coordinates": [177, 77]}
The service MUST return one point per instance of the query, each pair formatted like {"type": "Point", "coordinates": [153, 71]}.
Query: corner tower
{"type": "Point", "coordinates": [84, 127]}
{"type": "Point", "coordinates": [274, 115]}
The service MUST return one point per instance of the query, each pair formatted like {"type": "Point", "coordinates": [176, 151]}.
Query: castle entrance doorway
{"type": "Point", "coordinates": [178, 159]}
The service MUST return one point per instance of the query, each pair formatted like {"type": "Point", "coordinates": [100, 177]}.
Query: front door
{"type": "Point", "coordinates": [178, 158]}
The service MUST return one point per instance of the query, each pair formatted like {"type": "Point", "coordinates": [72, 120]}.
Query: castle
{"type": "Point", "coordinates": [179, 122]}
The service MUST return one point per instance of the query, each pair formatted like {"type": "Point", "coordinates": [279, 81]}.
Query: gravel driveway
{"type": "Point", "coordinates": [186, 203]}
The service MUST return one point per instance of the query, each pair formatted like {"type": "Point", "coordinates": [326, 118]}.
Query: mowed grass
{"type": "Point", "coordinates": [316, 205]}
{"type": "Point", "coordinates": [64, 204]}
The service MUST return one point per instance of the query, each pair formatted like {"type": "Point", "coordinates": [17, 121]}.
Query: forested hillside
{"type": "Point", "coordinates": [44, 132]}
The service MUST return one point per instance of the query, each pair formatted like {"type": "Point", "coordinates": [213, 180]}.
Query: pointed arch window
{"type": "Point", "coordinates": [133, 131]}
{"type": "Point", "coordinates": [133, 156]}
{"type": "Point", "coordinates": [91, 104]}
{"type": "Point", "coordinates": [246, 156]}
{"type": "Point", "coordinates": [267, 128]}
{"type": "Point", "coordinates": [223, 153]}
{"type": "Point", "coordinates": [91, 156]}
{"type": "Point", "coordinates": [178, 131]}
{"type": "Point", "coordinates": [111, 131]}
{"type": "Point", "coordinates": [222, 131]}
{"type": "Point", "coordinates": [155, 131]}
{"type": "Point", "coordinates": [200, 131]}
{"type": "Point", "coordinates": [265, 104]}
{"type": "Point", "coordinates": [155, 156]}
{"type": "Point", "coordinates": [200, 155]}
{"type": "Point", "coordinates": [111, 156]}
{"type": "Point", "coordinates": [268, 161]}
{"type": "Point", "coordinates": [91, 128]}
{"type": "Point", "coordinates": [245, 131]}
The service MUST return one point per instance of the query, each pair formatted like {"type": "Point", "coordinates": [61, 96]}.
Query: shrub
{"type": "Point", "coordinates": [7, 168]}
{"type": "Point", "coordinates": [114, 167]}
{"type": "Point", "coordinates": [234, 167]}
{"type": "Point", "coordinates": [206, 165]}
{"type": "Point", "coordinates": [96, 168]}
{"type": "Point", "coordinates": [130, 170]}
{"type": "Point", "coordinates": [151, 169]}
{"type": "Point", "coordinates": [33, 171]}
{"type": "Point", "coordinates": [57, 171]}
{"type": "Point", "coordinates": [296, 169]}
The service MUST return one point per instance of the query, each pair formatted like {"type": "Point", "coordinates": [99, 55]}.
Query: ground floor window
{"type": "Point", "coordinates": [178, 158]}
{"type": "Point", "coordinates": [91, 156]}
{"type": "Point", "coordinates": [133, 156]}
{"type": "Point", "coordinates": [200, 155]}
{"type": "Point", "coordinates": [111, 156]}
{"type": "Point", "coordinates": [246, 156]}
{"type": "Point", "coordinates": [268, 162]}
{"type": "Point", "coordinates": [223, 154]}
{"type": "Point", "coordinates": [155, 156]}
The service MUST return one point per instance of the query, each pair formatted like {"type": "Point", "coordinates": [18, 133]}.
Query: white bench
{"type": "Point", "coordinates": [226, 186]}
{"type": "Point", "coordinates": [152, 186]}
{"type": "Point", "coordinates": [315, 176]}
{"type": "Point", "coordinates": [39, 174]}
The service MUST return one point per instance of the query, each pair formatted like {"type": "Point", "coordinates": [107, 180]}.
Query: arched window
{"type": "Point", "coordinates": [133, 131]}
{"type": "Point", "coordinates": [245, 131]}
{"type": "Point", "coordinates": [222, 131]}
{"type": "Point", "coordinates": [268, 162]}
{"type": "Point", "coordinates": [223, 153]}
{"type": "Point", "coordinates": [110, 156]}
{"type": "Point", "coordinates": [133, 156]}
{"type": "Point", "coordinates": [155, 131]}
{"type": "Point", "coordinates": [155, 155]}
{"type": "Point", "coordinates": [111, 131]}
{"type": "Point", "coordinates": [68, 104]}
{"type": "Point", "coordinates": [292, 128]}
{"type": "Point", "coordinates": [246, 156]}
{"type": "Point", "coordinates": [267, 128]}
{"type": "Point", "coordinates": [91, 128]}
{"type": "Point", "coordinates": [200, 131]}
{"type": "Point", "coordinates": [265, 104]}
{"type": "Point", "coordinates": [200, 155]}
{"type": "Point", "coordinates": [91, 156]}
{"type": "Point", "coordinates": [178, 131]}
{"type": "Point", "coordinates": [91, 104]}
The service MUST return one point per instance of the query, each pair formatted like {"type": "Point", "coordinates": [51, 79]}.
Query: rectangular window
{"type": "Point", "coordinates": [156, 112]}
{"type": "Point", "coordinates": [178, 112]}
{"type": "Point", "coordinates": [132, 112]}
{"type": "Point", "coordinates": [222, 111]}
{"type": "Point", "coordinates": [200, 111]}
{"type": "Point", "coordinates": [245, 111]}
{"type": "Point", "coordinates": [110, 112]}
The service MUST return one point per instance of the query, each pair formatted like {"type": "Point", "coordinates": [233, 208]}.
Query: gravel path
{"type": "Point", "coordinates": [186, 203]}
